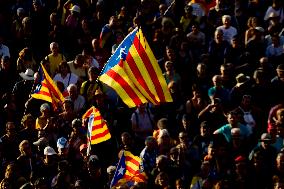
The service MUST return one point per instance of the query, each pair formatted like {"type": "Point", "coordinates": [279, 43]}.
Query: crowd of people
{"type": "Point", "coordinates": [223, 62]}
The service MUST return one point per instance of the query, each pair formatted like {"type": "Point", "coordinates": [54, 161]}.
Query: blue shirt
{"type": "Point", "coordinates": [226, 131]}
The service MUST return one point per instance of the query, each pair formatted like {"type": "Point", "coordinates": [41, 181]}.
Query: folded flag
{"type": "Point", "coordinates": [134, 73]}
{"type": "Point", "coordinates": [128, 170]}
{"type": "Point", "coordinates": [97, 127]}
{"type": "Point", "coordinates": [46, 89]}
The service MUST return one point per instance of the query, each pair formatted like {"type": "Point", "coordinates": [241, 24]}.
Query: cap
{"type": "Point", "coordinates": [111, 169]}
{"type": "Point", "coordinates": [62, 143]}
{"type": "Point", "coordinates": [241, 79]}
{"type": "Point", "coordinates": [94, 161]}
{"type": "Point", "coordinates": [265, 137]}
{"type": "Point", "coordinates": [28, 75]}
{"type": "Point", "coordinates": [41, 142]}
{"type": "Point", "coordinates": [49, 151]}
{"type": "Point", "coordinates": [75, 8]}
{"type": "Point", "coordinates": [44, 106]}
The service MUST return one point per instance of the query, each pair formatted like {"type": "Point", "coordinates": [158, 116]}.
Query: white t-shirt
{"type": "Point", "coordinates": [229, 33]}
{"type": "Point", "coordinates": [69, 79]}
{"type": "Point", "coordinates": [278, 12]}
{"type": "Point", "coordinates": [79, 103]}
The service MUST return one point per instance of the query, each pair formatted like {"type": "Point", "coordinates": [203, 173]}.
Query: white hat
{"type": "Point", "coordinates": [41, 142]}
{"type": "Point", "coordinates": [28, 75]}
{"type": "Point", "coordinates": [49, 151]}
{"type": "Point", "coordinates": [75, 8]}
{"type": "Point", "coordinates": [62, 143]}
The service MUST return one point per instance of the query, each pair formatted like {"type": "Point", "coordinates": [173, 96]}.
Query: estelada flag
{"type": "Point", "coordinates": [134, 73]}
{"type": "Point", "coordinates": [46, 89]}
{"type": "Point", "coordinates": [128, 170]}
{"type": "Point", "coordinates": [97, 128]}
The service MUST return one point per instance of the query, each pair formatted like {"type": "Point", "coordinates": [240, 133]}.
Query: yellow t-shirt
{"type": "Point", "coordinates": [54, 62]}
{"type": "Point", "coordinates": [41, 122]}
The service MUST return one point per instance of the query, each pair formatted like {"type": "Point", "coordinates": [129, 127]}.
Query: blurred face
{"type": "Point", "coordinates": [280, 73]}
{"type": "Point", "coordinates": [169, 67]}
{"type": "Point", "coordinates": [11, 129]}
{"type": "Point", "coordinates": [204, 131]}
{"type": "Point", "coordinates": [280, 162]}
{"type": "Point", "coordinates": [218, 37]}
{"type": "Point", "coordinates": [265, 144]}
{"type": "Point", "coordinates": [217, 81]}
{"type": "Point", "coordinates": [54, 49]}
{"type": "Point", "coordinates": [73, 93]}
{"type": "Point", "coordinates": [5, 64]}
{"type": "Point", "coordinates": [232, 119]}
{"type": "Point", "coordinates": [227, 22]}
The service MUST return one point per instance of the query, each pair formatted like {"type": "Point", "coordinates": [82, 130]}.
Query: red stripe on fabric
{"type": "Point", "coordinates": [132, 170]}
{"type": "Point", "coordinates": [98, 126]}
{"type": "Point", "coordinates": [111, 73]}
{"type": "Point", "coordinates": [43, 84]}
{"type": "Point", "coordinates": [136, 72]}
{"type": "Point", "coordinates": [127, 158]}
{"type": "Point", "coordinates": [51, 87]}
{"type": "Point", "coordinates": [149, 67]}
{"type": "Point", "coordinates": [101, 135]}
{"type": "Point", "coordinates": [44, 93]}
{"type": "Point", "coordinates": [98, 118]}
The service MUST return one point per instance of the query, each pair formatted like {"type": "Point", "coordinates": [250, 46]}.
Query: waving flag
{"type": "Point", "coordinates": [47, 89]}
{"type": "Point", "coordinates": [97, 128]}
{"type": "Point", "coordinates": [128, 170]}
{"type": "Point", "coordinates": [133, 72]}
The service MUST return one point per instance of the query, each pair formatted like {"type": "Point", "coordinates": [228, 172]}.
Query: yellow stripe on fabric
{"type": "Point", "coordinates": [127, 153]}
{"type": "Point", "coordinates": [42, 97]}
{"type": "Point", "coordinates": [48, 78]}
{"type": "Point", "coordinates": [98, 122]}
{"type": "Point", "coordinates": [102, 139]}
{"type": "Point", "coordinates": [119, 89]}
{"type": "Point", "coordinates": [145, 45]}
{"type": "Point", "coordinates": [45, 89]}
{"type": "Point", "coordinates": [100, 130]}
{"type": "Point", "coordinates": [143, 71]}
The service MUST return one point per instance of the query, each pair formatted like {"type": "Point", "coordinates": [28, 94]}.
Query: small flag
{"type": "Point", "coordinates": [47, 90]}
{"type": "Point", "coordinates": [128, 170]}
{"type": "Point", "coordinates": [97, 127]}
{"type": "Point", "coordinates": [134, 73]}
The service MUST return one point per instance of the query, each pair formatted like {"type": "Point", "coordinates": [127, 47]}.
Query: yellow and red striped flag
{"type": "Point", "coordinates": [97, 128]}
{"type": "Point", "coordinates": [46, 89]}
{"type": "Point", "coordinates": [128, 170]}
{"type": "Point", "coordinates": [134, 73]}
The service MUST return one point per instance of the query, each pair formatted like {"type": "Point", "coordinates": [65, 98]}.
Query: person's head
{"type": "Point", "coordinates": [5, 62]}
{"type": "Point", "coordinates": [76, 126]}
{"type": "Point", "coordinates": [37, 4]}
{"type": "Point", "coordinates": [162, 162]}
{"type": "Point", "coordinates": [45, 109]}
{"type": "Point", "coordinates": [218, 36]}
{"type": "Point", "coordinates": [75, 10]}
{"type": "Point", "coordinates": [10, 170]}
{"type": "Point", "coordinates": [96, 43]}
{"type": "Point", "coordinates": [265, 140]}
{"type": "Point", "coordinates": [94, 166]}
{"type": "Point", "coordinates": [113, 22]}
{"type": "Point", "coordinates": [162, 123]}
{"type": "Point", "coordinates": [275, 39]}
{"type": "Point", "coordinates": [10, 129]}
{"type": "Point", "coordinates": [53, 18]}
{"type": "Point", "coordinates": [79, 60]}
{"type": "Point", "coordinates": [25, 148]}
{"type": "Point", "coordinates": [280, 161]}
{"type": "Point", "coordinates": [28, 121]}
{"type": "Point", "coordinates": [20, 12]}
{"type": "Point", "coordinates": [162, 179]}
{"type": "Point", "coordinates": [201, 69]}
{"type": "Point", "coordinates": [169, 66]}
{"type": "Point", "coordinates": [171, 55]}
{"type": "Point", "coordinates": [217, 80]}
{"type": "Point", "coordinates": [62, 146]}
{"type": "Point", "coordinates": [236, 136]}
{"type": "Point", "coordinates": [212, 149]}
{"type": "Point", "coordinates": [180, 184]}
{"type": "Point", "coordinates": [205, 168]}
{"type": "Point", "coordinates": [280, 115]}
{"type": "Point", "coordinates": [63, 68]}
{"type": "Point", "coordinates": [54, 48]}
{"type": "Point", "coordinates": [280, 71]}
{"type": "Point", "coordinates": [162, 8]}
{"type": "Point", "coordinates": [126, 139]}
{"type": "Point", "coordinates": [226, 20]}
{"type": "Point", "coordinates": [150, 143]}
{"type": "Point", "coordinates": [68, 105]}
{"type": "Point", "coordinates": [72, 91]}
{"type": "Point", "coordinates": [204, 128]}
{"type": "Point", "coordinates": [186, 122]}
{"type": "Point", "coordinates": [232, 118]}
{"type": "Point", "coordinates": [183, 137]}
{"type": "Point", "coordinates": [225, 69]}
{"type": "Point", "coordinates": [246, 101]}
{"type": "Point", "coordinates": [93, 73]}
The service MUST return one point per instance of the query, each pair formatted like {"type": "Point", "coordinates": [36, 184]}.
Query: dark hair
{"type": "Point", "coordinates": [63, 64]}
